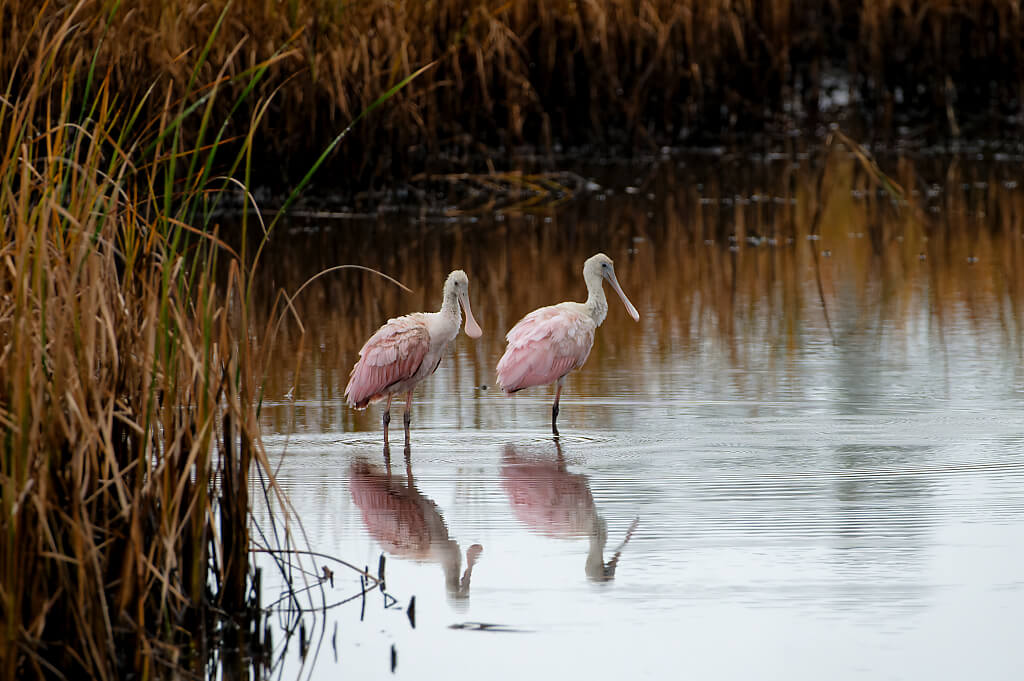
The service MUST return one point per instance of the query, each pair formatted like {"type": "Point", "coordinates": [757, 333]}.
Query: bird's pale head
{"type": "Point", "coordinates": [457, 281]}
{"type": "Point", "coordinates": [457, 286]}
{"type": "Point", "coordinates": [600, 265]}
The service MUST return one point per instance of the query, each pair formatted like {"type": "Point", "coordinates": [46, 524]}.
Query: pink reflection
{"type": "Point", "coordinates": [408, 524]}
{"type": "Point", "coordinates": [551, 501]}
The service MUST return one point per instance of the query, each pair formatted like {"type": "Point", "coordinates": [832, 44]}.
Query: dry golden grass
{"type": "Point", "coordinates": [635, 72]}
{"type": "Point", "coordinates": [128, 381]}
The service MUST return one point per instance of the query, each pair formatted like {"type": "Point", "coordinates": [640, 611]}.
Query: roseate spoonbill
{"type": "Point", "coordinates": [548, 343]}
{"type": "Point", "coordinates": [550, 500]}
{"type": "Point", "coordinates": [408, 349]}
{"type": "Point", "coordinates": [408, 524]}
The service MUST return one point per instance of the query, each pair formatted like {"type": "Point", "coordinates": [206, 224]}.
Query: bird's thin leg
{"type": "Point", "coordinates": [387, 420]}
{"type": "Point", "coordinates": [408, 416]}
{"type": "Point", "coordinates": [554, 409]}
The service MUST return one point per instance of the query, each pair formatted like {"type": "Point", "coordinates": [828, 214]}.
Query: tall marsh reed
{"type": "Point", "coordinates": [634, 73]}
{"type": "Point", "coordinates": [128, 367]}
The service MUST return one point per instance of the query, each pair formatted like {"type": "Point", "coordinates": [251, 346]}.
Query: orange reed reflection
{"type": "Point", "coordinates": [550, 500]}
{"type": "Point", "coordinates": [723, 260]}
{"type": "Point", "coordinates": [408, 524]}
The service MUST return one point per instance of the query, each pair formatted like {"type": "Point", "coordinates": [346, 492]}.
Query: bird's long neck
{"type": "Point", "coordinates": [595, 567]}
{"type": "Point", "coordinates": [450, 307]}
{"type": "Point", "coordinates": [597, 304]}
{"type": "Point", "coordinates": [451, 565]}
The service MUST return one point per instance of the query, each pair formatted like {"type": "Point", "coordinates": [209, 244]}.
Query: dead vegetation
{"type": "Point", "coordinates": [129, 380]}
{"type": "Point", "coordinates": [636, 73]}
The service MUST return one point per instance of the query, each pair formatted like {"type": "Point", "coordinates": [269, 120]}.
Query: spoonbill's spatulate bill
{"type": "Point", "coordinates": [548, 343]}
{"type": "Point", "coordinates": [408, 349]}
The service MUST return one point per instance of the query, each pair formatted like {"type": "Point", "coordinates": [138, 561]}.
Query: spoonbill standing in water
{"type": "Point", "coordinates": [408, 349]}
{"type": "Point", "coordinates": [548, 343]}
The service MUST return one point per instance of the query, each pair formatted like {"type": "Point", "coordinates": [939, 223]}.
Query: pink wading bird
{"type": "Point", "coordinates": [551, 341]}
{"type": "Point", "coordinates": [408, 349]}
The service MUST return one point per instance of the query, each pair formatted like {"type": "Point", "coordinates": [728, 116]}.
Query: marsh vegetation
{"type": "Point", "coordinates": [129, 377]}
{"type": "Point", "coordinates": [621, 76]}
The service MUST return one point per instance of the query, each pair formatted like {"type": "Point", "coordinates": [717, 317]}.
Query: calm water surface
{"type": "Point", "coordinates": [806, 461]}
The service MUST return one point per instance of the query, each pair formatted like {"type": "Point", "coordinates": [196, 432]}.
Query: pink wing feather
{"type": "Point", "coordinates": [544, 346]}
{"type": "Point", "coordinates": [393, 354]}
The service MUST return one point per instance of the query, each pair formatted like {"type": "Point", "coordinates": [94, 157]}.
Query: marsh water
{"type": "Point", "coordinates": [805, 461]}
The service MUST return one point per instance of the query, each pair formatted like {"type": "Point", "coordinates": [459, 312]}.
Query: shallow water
{"type": "Point", "coordinates": [806, 461]}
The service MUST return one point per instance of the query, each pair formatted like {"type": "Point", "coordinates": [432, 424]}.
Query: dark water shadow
{"type": "Point", "coordinates": [554, 502]}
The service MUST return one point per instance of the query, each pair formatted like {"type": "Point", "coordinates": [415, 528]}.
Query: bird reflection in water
{"type": "Point", "coordinates": [408, 524]}
{"type": "Point", "coordinates": [550, 500]}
